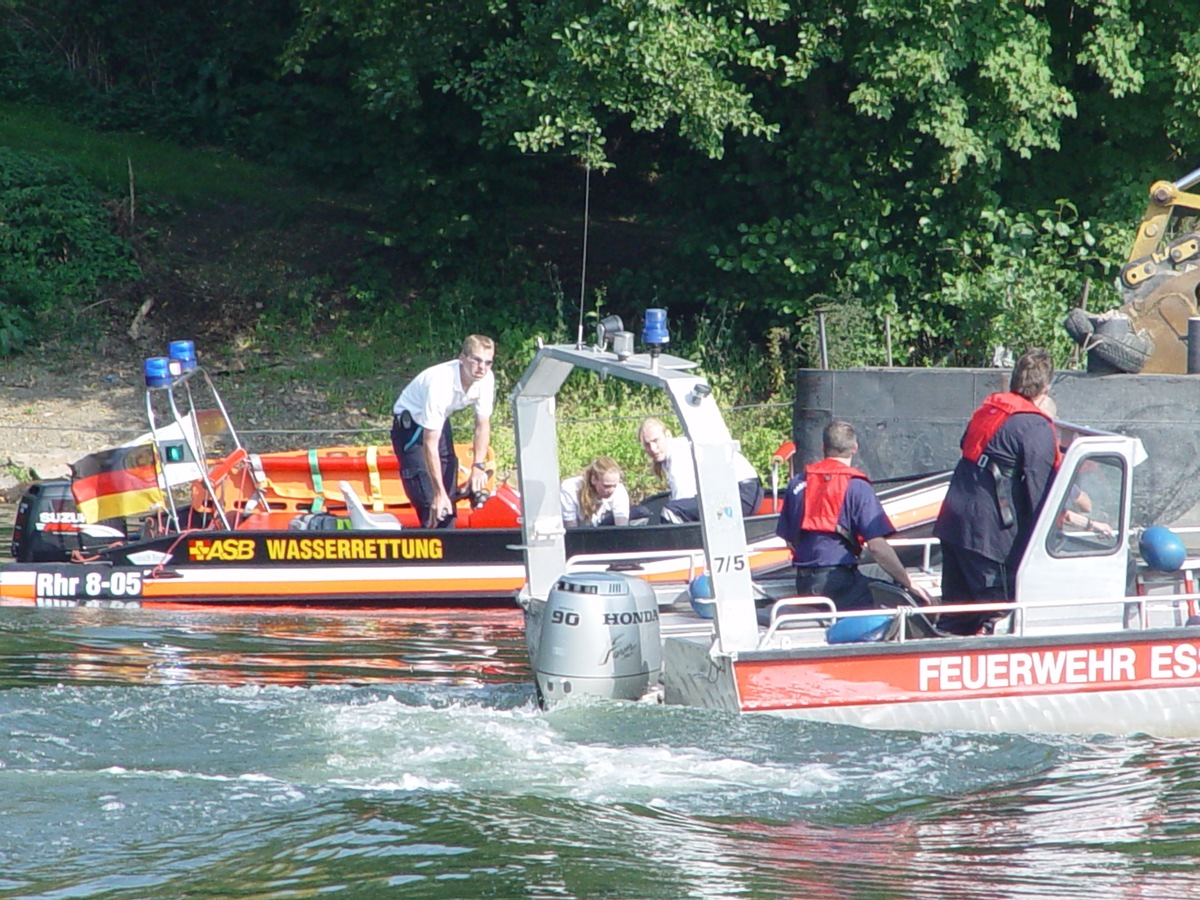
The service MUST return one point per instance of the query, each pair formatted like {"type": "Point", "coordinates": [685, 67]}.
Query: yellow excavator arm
{"type": "Point", "coordinates": [1158, 285]}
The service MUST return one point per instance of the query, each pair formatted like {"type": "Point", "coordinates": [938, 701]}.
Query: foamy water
{"type": "Point", "coordinates": [294, 755]}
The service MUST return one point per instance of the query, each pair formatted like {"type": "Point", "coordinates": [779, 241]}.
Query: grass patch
{"type": "Point", "coordinates": [195, 178]}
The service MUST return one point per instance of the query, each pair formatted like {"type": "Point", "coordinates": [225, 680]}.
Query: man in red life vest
{"type": "Point", "coordinates": [829, 513]}
{"type": "Point", "coordinates": [1010, 453]}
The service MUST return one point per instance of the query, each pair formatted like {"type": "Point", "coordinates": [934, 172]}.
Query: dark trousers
{"type": "Point", "coordinates": [968, 577]}
{"type": "Point", "coordinates": [847, 587]}
{"type": "Point", "coordinates": [750, 491]}
{"type": "Point", "coordinates": [408, 443]}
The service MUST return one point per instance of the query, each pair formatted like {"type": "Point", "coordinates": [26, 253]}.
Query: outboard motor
{"type": "Point", "coordinates": [49, 527]}
{"type": "Point", "coordinates": [599, 638]}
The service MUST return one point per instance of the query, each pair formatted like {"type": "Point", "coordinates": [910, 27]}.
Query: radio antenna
{"type": "Point", "coordinates": [587, 197]}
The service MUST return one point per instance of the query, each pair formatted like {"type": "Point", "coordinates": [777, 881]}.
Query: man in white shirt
{"type": "Point", "coordinates": [421, 434]}
{"type": "Point", "coordinates": [672, 459]}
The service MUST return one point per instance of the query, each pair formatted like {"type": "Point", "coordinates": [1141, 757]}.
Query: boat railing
{"type": "Point", "coordinates": [693, 560]}
{"type": "Point", "coordinates": [780, 616]}
{"type": "Point", "coordinates": [175, 399]}
{"type": "Point", "coordinates": [926, 544]}
{"type": "Point", "coordinates": [1137, 608]}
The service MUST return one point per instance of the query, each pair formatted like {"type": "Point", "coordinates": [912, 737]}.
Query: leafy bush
{"type": "Point", "coordinates": [57, 246]}
{"type": "Point", "coordinates": [1020, 275]}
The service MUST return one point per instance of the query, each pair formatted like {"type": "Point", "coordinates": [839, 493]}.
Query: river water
{"type": "Point", "coordinates": [150, 754]}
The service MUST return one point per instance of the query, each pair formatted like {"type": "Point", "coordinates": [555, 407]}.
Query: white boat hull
{"type": "Point", "coordinates": [1134, 683]}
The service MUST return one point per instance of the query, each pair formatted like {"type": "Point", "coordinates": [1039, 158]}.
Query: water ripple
{"type": "Point", "coordinates": [290, 754]}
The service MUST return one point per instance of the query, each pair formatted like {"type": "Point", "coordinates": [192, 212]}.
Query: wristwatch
{"type": "Point", "coordinates": [481, 467]}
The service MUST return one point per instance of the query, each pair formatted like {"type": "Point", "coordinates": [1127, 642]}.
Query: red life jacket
{"type": "Point", "coordinates": [826, 483]}
{"type": "Point", "coordinates": [991, 415]}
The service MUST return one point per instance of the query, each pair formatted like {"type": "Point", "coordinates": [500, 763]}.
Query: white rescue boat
{"type": "Point", "coordinates": [1097, 641]}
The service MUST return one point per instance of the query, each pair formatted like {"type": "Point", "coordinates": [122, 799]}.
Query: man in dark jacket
{"type": "Point", "coordinates": [1010, 454]}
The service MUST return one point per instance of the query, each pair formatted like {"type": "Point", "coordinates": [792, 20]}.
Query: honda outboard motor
{"type": "Point", "coordinates": [49, 527]}
{"type": "Point", "coordinates": [599, 637]}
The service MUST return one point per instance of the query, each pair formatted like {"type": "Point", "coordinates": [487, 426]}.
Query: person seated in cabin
{"type": "Point", "coordinates": [1079, 510]}
{"type": "Point", "coordinates": [596, 497]}
{"type": "Point", "coordinates": [421, 433]}
{"type": "Point", "coordinates": [830, 512]}
{"type": "Point", "coordinates": [1010, 453]}
{"type": "Point", "coordinates": [1077, 513]}
{"type": "Point", "coordinates": [671, 458]}
{"type": "Point", "coordinates": [1075, 519]}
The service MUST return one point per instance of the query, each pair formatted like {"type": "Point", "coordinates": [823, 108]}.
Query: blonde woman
{"type": "Point", "coordinates": [596, 497]}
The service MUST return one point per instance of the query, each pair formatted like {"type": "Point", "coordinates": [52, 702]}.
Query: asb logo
{"type": "Point", "coordinates": [225, 550]}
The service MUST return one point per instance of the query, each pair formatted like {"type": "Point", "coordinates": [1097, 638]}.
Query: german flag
{"type": "Point", "coordinates": [116, 483]}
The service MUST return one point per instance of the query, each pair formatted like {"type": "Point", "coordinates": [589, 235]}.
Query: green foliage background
{"type": "Point", "coordinates": [940, 177]}
{"type": "Point", "coordinates": [57, 244]}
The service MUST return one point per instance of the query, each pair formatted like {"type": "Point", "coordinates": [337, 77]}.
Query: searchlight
{"type": "Point", "coordinates": [612, 328]}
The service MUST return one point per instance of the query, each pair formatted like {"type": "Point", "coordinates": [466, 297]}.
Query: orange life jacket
{"type": "Point", "coordinates": [826, 483]}
{"type": "Point", "coordinates": [991, 415]}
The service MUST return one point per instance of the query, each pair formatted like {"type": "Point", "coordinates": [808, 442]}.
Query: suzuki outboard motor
{"type": "Point", "coordinates": [49, 527]}
{"type": "Point", "coordinates": [599, 637]}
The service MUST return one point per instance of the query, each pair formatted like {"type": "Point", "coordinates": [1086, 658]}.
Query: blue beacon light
{"type": "Point", "coordinates": [183, 352]}
{"type": "Point", "coordinates": [654, 333]}
{"type": "Point", "coordinates": [158, 371]}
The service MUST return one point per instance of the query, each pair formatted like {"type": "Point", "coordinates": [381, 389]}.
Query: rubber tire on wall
{"type": "Point", "coordinates": [1125, 353]}
{"type": "Point", "coordinates": [1078, 325]}
{"type": "Point", "coordinates": [1097, 366]}
{"type": "Point", "coordinates": [1102, 328]}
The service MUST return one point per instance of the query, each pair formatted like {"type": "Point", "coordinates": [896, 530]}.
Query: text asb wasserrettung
{"type": "Point", "coordinates": [316, 549]}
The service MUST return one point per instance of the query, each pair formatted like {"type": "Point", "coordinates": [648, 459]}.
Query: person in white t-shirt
{"type": "Point", "coordinates": [596, 497]}
{"type": "Point", "coordinates": [672, 459]}
{"type": "Point", "coordinates": [421, 433]}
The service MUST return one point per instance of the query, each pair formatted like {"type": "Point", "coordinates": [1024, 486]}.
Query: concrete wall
{"type": "Point", "coordinates": [909, 421]}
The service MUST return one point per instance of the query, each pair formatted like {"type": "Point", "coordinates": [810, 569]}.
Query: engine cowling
{"type": "Point", "coordinates": [599, 637]}
{"type": "Point", "coordinates": [49, 527]}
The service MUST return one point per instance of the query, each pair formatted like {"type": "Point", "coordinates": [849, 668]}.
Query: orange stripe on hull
{"type": "Point", "coordinates": [760, 561]}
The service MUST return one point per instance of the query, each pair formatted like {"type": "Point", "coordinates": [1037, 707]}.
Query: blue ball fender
{"type": "Point", "coordinates": [1162, 549]}
{"type": "Point", "coordinates": [860, 629]}
{"type": "Point", "coordinates": [701, 593]}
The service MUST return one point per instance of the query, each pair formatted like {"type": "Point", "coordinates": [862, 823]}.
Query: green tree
{"type": "Point", "coordinates": [958, 169]}
{"type": "Point", "coordinates": [544, 76]}
{"type": "Point", "coordinates": [903, 156]}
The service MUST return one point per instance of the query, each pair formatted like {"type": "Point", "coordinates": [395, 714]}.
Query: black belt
{"type": "Point", "coordinates": [819, 570]}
